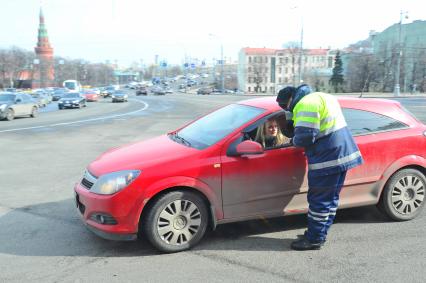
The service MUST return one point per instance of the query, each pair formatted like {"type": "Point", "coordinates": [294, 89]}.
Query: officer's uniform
{"type": "Point", "coordinates": [330, 149]}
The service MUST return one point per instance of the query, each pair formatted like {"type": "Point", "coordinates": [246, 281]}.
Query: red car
{"type": "Point", "coordinates": [91, 96]}
{"type": "Point", "coordinates": [172, 187]}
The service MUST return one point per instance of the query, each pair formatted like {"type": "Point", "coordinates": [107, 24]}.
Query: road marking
{"type": "Point", "coordinates": [146, 105]}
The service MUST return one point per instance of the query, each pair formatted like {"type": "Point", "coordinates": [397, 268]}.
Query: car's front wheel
{"type": "Point", "coordinates": [34, 112]}
{"type": "Point", "coordinates": [176, 221]}
{"type": "Point", "coordinates": [10, 114]}
{"type": "Point", "coordinates": [404, 195]}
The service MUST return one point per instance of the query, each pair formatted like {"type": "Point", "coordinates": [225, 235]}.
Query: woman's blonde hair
{"type": "Point", "coordinates": [280, 139]}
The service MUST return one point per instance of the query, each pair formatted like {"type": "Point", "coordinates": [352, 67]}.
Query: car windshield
{"type": "Point", "coordinates": [7, 97]}
{"type": "Point", "coordinates": [215, 126]}
{"type": "Point", "coordinates": [72, 95]}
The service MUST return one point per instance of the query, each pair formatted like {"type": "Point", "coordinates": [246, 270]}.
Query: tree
{"type": "Point", "coordinates": [336, 79]}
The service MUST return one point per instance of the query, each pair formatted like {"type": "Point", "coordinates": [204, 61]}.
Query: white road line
{"type": "Point", "coordinates": [146, 105]}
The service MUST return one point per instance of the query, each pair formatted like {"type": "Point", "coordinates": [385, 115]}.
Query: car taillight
{"type": "Point", "coordinates": [424, 133]}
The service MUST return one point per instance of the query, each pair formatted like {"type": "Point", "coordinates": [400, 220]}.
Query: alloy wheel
{"type": "Point", "coordinates": [408, 194]}
{"type": "Point", "coordinates": [178, 222]}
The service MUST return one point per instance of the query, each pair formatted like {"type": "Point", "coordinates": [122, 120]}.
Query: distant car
{"type": "Point", "coordinates": [168, 90]}
{"type": "Point", "coordinates": [90, 96]}
{"type": "Point", "coordinates": [171, 188]}
{"type": "Point", "coordinates": [10, 89]}
{"type": "Point", "coordinates": [119, 96]}
{"type": "Point", "coordinates": [205, 90]}
{"type": "Point", "coordinates": [141, 90]}
{"type": "Point", "coordinates": [17, 104]}
{"type": "Point", "coordinates": [41, 97]}
{"type": "Point", "coordinates": [108, 91]}
{"type": "Point", "coordinates": [158, 90]}
{"type": "Point", "coordinates": [72, 100]}
{"type": "Point", "coordinates": [58, 94]}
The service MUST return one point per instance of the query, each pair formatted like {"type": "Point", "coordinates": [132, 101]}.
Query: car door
{"type": "Point", "coordinates": [19, 106]}
{"type": "Point", "coordinates": [27, 104]}
{"type": "Point", "coordinates": [262, 184]}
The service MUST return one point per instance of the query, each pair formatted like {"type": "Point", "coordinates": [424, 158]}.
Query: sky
{"type": "Point", "coordinates": [127, 31]}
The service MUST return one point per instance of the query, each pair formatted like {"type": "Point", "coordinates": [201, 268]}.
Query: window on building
{"type": "Point", "coordinates": [266, 59]}
{"type": "Point", "coordinates": [280, 80]}
{"type": "Point", "coordinates": [286, 70]}
{"type": "Point", "coordinates": [249, 89]}
{"type": "Point", "coordinates": [249, 69]}
{"type": "Point", "coordinates": [280, 70]}
{"type": "Point", "coordinates": [266, 69]}
{"type": "Point", "coordinates": [255, 59]}
{"type": "Point", "coordinates": [363, 122]}
{"type": "Point", "coordinates": [281, 60]}
{"type": "Point", "coordinates": [249, 59]}
{"type": "Point", "coordinates": [292, 60]}
{"type": "Point", "coordinates": [286, 80]}
{"type": "Point", "coordinates": [280, 54]}
{"type": "Point", "coordinates": [271, 89]}
{"type": "Point", "coordinates": [286, 60]}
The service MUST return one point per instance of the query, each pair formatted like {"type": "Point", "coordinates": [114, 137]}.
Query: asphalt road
{"type": "Point", "coordinates": [42, 238]}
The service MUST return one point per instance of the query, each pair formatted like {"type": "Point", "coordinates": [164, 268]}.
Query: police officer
{"type": "Point", "coordinates": [320, 128]}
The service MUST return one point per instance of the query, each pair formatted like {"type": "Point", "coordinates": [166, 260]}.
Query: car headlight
{"type": "Point", "coordinates": [113, 96]}
{"type": "Point", "coordinates": [3, 107]}
{"type": "Point", "coordinates": [111, 183]}
{"type": "Point", "coordinates": [75, 101]}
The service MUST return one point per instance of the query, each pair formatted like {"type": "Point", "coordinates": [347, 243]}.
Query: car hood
{"type": "Point", "coordinates": [140, 156]}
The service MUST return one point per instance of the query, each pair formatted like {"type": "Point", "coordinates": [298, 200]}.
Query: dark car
{"type": "Point", "coordinates": [58, 94]}
{"type": "Point", "coordinates": [205, 90]}
{"type": "Point", "coordinates": [108, 91]}
{"type": "Point", "coordinates": [119, 96]}
{"type": "Point", "coordinates": [17, 104]}
{"type": "Point", "coordinates": [141, 90]}
{"type": "Point", "coordinates": [212, 171]}
{"type": "Point", "coordinates": [72, 100]}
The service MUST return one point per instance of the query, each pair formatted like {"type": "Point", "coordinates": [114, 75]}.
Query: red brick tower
{"type": "Point", "coordinates": [43, 75]}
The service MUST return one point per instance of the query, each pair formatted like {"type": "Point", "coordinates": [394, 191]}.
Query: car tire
{"type": "Point", "coordinates": [403, 197]}
{"type": "Point", "coordinates": [60, 107]}
{"type": "Point", "coordinates": [171, 228]}
{"type": "Point", "coordinates": [34, 112]}
{"type": "Point", "coordinates": [10, 114]}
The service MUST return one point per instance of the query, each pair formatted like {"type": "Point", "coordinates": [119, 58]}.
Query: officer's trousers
{"type": "Point", "coordinates": [323, 199]}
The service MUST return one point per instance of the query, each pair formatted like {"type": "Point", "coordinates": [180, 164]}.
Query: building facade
{"type": "Point", "coordinates": [265, 70]}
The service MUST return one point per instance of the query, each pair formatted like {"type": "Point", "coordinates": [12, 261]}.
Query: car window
{"type": "Point", "coordinates": [218, 124]}
{"type": "Point", "coordinates": [362, 122]}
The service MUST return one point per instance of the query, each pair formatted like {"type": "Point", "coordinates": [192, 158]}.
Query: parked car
{"type": "Point", "coordinates": [91, 96]}
{"type": "Point", "coordinates": [172, 187]}
{"type": "Point", "coordinates": [205, 90]}
{"type": "Point", "coordinates": [72, 100]}
{"type": "Point", "coordinates": [118, 96]}
{"type": "Point", "coordinates": [108, 91]}
{"type": "Point", "coordinates": [17, 104]}
{"type": "Point", "coordinates": [141, 90]}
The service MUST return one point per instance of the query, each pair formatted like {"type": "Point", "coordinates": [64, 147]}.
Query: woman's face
{"type": "Point", "coordinates": [271, 128]}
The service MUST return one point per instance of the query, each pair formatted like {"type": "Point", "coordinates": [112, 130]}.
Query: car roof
{"type": "Point", "coordinates": [387, 107]}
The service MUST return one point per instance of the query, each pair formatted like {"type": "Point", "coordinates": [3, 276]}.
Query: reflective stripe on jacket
{"type": "Point", "coordinates": [321, 129]}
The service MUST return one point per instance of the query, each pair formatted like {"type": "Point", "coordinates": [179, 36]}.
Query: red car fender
{"type": "Point", "coordinates": [182, 181]}
{"type": "Point", "coordinates": [405, 161]}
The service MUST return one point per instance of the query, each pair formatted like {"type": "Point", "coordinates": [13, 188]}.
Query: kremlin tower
{"type": "Point", "coordinates": [43, 75]}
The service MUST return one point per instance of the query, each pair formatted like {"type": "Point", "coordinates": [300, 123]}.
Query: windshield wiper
{"type": "Point", "coordinates": [182, 140]}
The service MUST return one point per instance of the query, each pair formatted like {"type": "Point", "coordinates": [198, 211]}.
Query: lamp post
{"type": "Point", "coordinates": [222, 78]}
{"type": "Point", "coordinates": [396, 90]}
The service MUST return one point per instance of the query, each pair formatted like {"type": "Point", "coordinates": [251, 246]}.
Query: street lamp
{"type": "Point", "coordinates": [396, 91]}
{"type": "Point", "coordinates": [222, 79]}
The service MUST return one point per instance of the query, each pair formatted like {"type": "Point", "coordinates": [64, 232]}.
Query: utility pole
{"type": "Point", "coordinates": [221, 70]}
{"type": "Point", "coordinates": [396, 90]}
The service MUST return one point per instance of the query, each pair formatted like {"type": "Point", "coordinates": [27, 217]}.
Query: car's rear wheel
{"type": "Point", "coordinates": [177, 221]}
{"type": "Point", "coordinates": [404, 195]}
{"type": "Point", "coordinates": [34, 112]}
{"type": "Point", "coordinates": [10, 114]}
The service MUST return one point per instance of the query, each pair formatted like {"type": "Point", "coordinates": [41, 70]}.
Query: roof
{"type": "Point", "coordinates": [259, 51]}
{"type": "Point", "coordinates": [316, 51]}
{"type": "Point", "coordinates": [387, 107]}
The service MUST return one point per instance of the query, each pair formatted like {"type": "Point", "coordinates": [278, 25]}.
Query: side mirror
{"type": "Point", "coordinates": [249, 147]}
{"type": "Point", "coordinates": [18, 100]}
